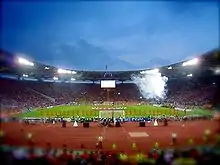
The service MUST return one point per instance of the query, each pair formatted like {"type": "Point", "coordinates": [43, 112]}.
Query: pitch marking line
{"type": "Point", "coordinates": [127, 135]}
{"type": "Point", "coordinates": [138, 134]}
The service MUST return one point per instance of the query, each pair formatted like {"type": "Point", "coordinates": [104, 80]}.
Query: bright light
{"type": "Point", "coordinates": [189, 75]}
{"type": "Point", "coordinates": [108, 84]}
{"type": "Point", "coordinates": [217, 71]}
{"type": "Point", "coordinates": [65, 71]}
{"type": "Point", "coordinates": [25, 62]}
{"type": "Point", "coordinates": [46, 68]}
{"type": "Point", "coordinates": [170, 67]}
{"type": "Point", "coordinates": [72, 79]}
{"type": "Point", "coordinates": [142, 72]}
{"type": "Point", "coordinates": [55, 78]}
{"type": "Point", "coordinates": [150, 71]}
{"type": "Point", "coordinates": [191, 62]}
{"type": "Point", "coordinates": [25, 75]}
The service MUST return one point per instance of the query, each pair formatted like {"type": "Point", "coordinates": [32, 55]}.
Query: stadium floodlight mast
{"type": "Point", "coordinates": [194, 61]}
{"type": "Point", "coordinates": [25, 62]}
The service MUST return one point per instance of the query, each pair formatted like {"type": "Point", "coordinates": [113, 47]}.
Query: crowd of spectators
{"type": "Point", "coordinates": [49, 156]}
{"type": "Point", "coordinates": [28, 94]}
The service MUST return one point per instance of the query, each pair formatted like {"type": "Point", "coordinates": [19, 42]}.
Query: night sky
{"type": "Point", "coordinates": [123, 35]}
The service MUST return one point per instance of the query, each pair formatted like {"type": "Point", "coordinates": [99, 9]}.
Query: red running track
{"type": "Point", "coordinates": [74, 137]}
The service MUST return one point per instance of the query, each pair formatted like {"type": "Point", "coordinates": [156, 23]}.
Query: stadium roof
{"type": "Point", "coordinates": [17, 65]}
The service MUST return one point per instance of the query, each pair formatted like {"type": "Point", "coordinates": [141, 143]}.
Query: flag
{"type": "Point", "coordinates": [106, 67]}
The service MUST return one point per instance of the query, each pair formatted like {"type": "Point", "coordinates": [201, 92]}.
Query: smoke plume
{"type": "Point", "coordinates": [151, 84]}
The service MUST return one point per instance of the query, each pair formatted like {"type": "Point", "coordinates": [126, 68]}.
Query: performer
{"type": "Point", "coordinates": [114, 121]}
{"type": "Point", "coordinates": [63, 123]}
{"type": "Point", "coordinates": [174, 138]}
{"type": "Point", "coordinates": [165, 122]}
{"type": "Point", "coordinates": [99, 143]}
{"type": "Point", "coordinates": [184, 121]}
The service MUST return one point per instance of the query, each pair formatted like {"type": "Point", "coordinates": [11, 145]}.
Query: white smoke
{"type": "Point", "coordinates": [151, 84]}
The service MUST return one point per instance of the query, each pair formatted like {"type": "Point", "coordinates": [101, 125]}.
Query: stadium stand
{"type": "Point", "coordinates": [28, 94]}
{"type": "Point", "coordinates": [193, 156]}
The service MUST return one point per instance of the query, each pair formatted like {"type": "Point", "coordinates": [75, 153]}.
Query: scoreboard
{"type": "Point", "coordinates": [108, 84]}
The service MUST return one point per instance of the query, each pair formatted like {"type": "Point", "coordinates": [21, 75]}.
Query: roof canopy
{"type": "Point", "coordinates": [11, 64]}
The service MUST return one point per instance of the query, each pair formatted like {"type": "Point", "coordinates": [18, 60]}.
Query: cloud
{"type": "Point", "coordinates": [84, 55]}
{"type": "Point", "coordinates": [122, 34]}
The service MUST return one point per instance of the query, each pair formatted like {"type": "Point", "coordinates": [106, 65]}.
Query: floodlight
{"type": "Point", "coordinates": [191, 62]}
{"type": "Point", "coordinates": [217, 71]}
{"type": "Point", "coordinates": [72, 79]}
{"type": "Point", "coordinates": [25, 75]}
{"type": "Point", "coordinates": [150, 71]}
{"type": "Point", "coordinates": [25, 62]}
{"type": "Point", "coordinates": [61, 71]}
{"type": "Point", "coordinates": [46, 68]}
{"type": "Point", "coordinates": [64, 71]}
{"type": "Point", "coordinates": [189, 75]}
{"type": "Point", "coordinates": [55, 78]}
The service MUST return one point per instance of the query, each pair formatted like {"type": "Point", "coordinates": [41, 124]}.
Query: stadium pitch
{"type": "Point", "coordinates": [107, 111]}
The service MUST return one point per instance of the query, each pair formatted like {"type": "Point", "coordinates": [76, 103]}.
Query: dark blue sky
{"type": "Point", "coordinates": [124, 35]}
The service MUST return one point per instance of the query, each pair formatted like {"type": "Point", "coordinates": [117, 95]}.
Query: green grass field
{"type": "Point", "coordinates": [130, 111]}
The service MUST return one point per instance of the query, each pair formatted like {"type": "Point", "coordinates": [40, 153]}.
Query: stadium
{"type": "Point", "coordinates": [44, 105]}
{"type": "Point", "coordinates": [109, 82]}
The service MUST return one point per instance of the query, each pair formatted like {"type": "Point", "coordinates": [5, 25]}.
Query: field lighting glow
{"type": "Point", "coordinates": [217, 71]}
{"type": "Point", "coordinates": [150, 71]}
{"type": "Point", "coordinates": [194, 61]}
{"type": "Point", "coordinates": [189, 75]}
{"type": "Point", "coordinates": [55, 78]}
{"type": "Point", "coordinates": [25, 75]}
{"type": "Point", "coordinates": [25, 62]}
{"type": "Point", "coordinates": [65, 71]}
